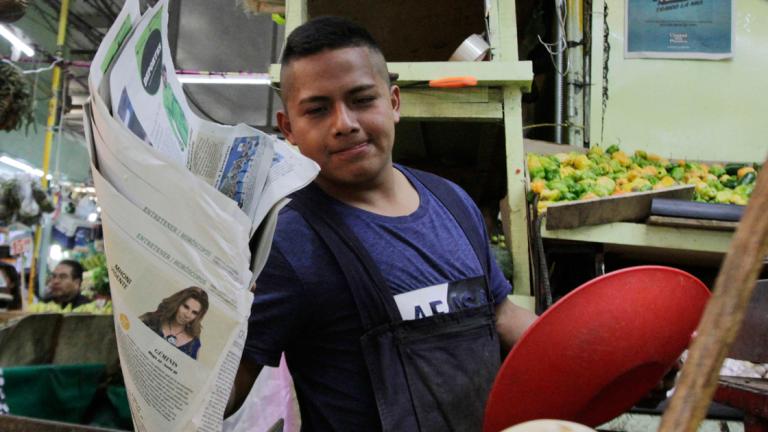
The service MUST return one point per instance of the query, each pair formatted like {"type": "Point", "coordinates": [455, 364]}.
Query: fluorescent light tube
{"type": "Point", "coordinates": [224, 79]}
{"type": "Point", "coordinates": [21, 166]}
{"type": "Point", "coordinates": [15, 41]}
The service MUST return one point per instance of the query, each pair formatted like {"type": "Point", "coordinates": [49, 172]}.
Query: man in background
{"type": "Point", "coordinates": [64, 285]}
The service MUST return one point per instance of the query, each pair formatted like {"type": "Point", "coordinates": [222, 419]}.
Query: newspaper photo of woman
{"type": "Point", "coordinates": [178, 319]}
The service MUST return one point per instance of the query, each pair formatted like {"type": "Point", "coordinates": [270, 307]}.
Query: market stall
{"type": "Point", "coordinates": [642, 167]}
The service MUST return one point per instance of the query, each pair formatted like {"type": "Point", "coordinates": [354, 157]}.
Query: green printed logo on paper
{"type": "Point", "coordinates": [149, 54]}
{"type": "Point", "coordinates": [125, 30]}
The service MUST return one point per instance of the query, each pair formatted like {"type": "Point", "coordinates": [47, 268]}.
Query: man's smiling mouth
{"type": "Point", "coordinates": [352, 149]}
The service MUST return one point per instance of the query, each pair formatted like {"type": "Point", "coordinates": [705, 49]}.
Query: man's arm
{"type": "Point", "coordinates": [244, 379]}
{"type": "Point", "coordinates": [511, 322]}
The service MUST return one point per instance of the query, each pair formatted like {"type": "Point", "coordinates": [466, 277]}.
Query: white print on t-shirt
{"type": "Point", "coordinates": [441, 298]}
{"type": "Point", "coordinates": [423, 302]}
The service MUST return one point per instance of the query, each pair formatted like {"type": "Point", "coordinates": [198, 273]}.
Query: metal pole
{"type": "Point", "coordinates": [559, 78]}
{"type": "Point", "coordinates": [60, 130]}
{"type": "Point", "coordinates": [52, 106]}
{"type": "Point", "coordinates": [55, 84]}
{"type": "Point", "coordinates": [587, 69]}
{"type": "Point", "coordinates": [575, 78]}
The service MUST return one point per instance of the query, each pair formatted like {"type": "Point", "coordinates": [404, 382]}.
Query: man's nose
{"type": "Point", "coordinates": [344, 120]}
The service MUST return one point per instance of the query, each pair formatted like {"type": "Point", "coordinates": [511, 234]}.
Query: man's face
{"type": "Point", "coordinates": [341, 113]}
{"type": "Point", "coordinates": [62, 285]}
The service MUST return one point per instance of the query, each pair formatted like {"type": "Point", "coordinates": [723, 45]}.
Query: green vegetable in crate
{"type": "Point", "coordinates": [601, 173]}
{"type": "Point", "coordinates": [677, 173]}
{"type": "Point", "coordinates": [728, 181]}
{"type": "Point", "coordinates": [716, 170]}
{"type": "Point", "coordinates": [733, 168]}
{"type": "Point", "coordinates": [744, 190]}
{"type": "Point", "coordinates": [714, 183]}
{"type": "Point", "coordinates": [535, 168]}
{"type": "Point", "coordinates": [551, 167]}
{"type": "Point", "coordinates": [603, 187]}
{"type": "Point", "coordinates": [550, 195]}
{"type": "Point", "coordinates": [748, 177]}
{"type": "Point", "coordinates": [581, 162]}
{"type": "Point", "coordinates": [558, 185]}
{"type": "Point", "coordinates": [706, 191]}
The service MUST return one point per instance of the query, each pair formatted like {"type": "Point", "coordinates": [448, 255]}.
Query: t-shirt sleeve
{"type": "Point", "coordinates": [277, 312]}
{"type": "Point", "coordinates": [500, 286]}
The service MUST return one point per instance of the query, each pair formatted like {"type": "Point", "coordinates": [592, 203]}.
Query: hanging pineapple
{"type": "Point", "coordinates": [12, 10]}
{"type": "Point", "coordinates": [15, 99]}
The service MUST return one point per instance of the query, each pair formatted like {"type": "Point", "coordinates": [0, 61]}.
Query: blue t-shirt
{"type": "Point", "coordinates": [303, 306]}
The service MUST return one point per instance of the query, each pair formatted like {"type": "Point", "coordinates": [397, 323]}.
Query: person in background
{"type": "Point", "coordinates": [380, 286]}
{"type": "Point", "coordinates": [64, 285]}
{"type": "Point", "coordinates": [9, 285]}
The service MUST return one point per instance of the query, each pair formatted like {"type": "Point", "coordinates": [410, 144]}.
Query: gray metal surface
{"type": "Point", "coordinates": [752, 342]}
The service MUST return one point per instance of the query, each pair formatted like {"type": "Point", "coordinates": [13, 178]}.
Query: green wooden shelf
{"type": "Point", "coordinates": [488, 73]}
{"type": "Point", "coordinates": [642, 235]}
{"type": "Point", "coordinates": [481, 103]}
{"type": "Point", "coordinates": [474, 104]}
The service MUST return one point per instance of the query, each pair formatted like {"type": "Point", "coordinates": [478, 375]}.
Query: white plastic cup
{"type": "Point", "coordinates": [549, 426]}
{"type": "Point", "coordinates": [474, 48]}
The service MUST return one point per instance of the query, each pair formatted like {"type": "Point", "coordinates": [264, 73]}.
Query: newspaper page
{"type": "Point", "coordinates": [181, 199]}
{"type": "Point", "coordinates": [142, 176]}
{"type": "Point", "coordinates": [156, 252]}
{"type": "Point", "coordinates": [281, 177]}
{"type": "Point", "coordinates": [176, 380]}
{"type": "Point", "coordinates": [147, 97]}
{"type": "Point", "coordinates": [113, 41]}
{"type": "Point", "coordinates": [143, 93]}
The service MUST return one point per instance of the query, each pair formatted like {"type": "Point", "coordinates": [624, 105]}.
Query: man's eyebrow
{"type": "Point", "coordinates": [323, 99]}
{"type": "Point", "coordinates": [314, 99]}
{"type": "Point", "coordinates": [361, 88]}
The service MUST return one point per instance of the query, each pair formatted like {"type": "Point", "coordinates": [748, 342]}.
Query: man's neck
{"type": "Point", "coordinates": [64, 301]}
{"type": "Point", "coordinates": [390, 195]}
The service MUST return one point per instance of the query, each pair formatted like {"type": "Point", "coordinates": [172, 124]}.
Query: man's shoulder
{"type": "Point", "coordinates": [290, 224]}
{"type": "Point", "coordinates": [435, 180]}
{"type": "Point", "coordinates": [297, 242]}
{"type": "Point", "coordinates": [423, 176]}
{"type": "Point", "coordinates": [80, 300]}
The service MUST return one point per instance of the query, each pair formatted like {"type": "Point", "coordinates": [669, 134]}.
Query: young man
{"type": "Point", "coordinates": [380, 287]}
{"type": "Point", "coordinates": [64, 284]}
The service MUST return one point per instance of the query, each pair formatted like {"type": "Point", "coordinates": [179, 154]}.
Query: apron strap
{"type": "Point", "coordinates": [451, 200]}
{"type": "Point", "coordinates": [375, 306]}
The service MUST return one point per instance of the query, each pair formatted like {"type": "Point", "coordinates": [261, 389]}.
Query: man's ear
{"type": "Point", "coordinates": [394, 98]}
{"type": "Point", "coordinates": [284, 123]}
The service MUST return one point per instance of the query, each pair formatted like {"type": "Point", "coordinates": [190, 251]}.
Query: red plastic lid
{"type": "Point", "coordinates": [598, 350]}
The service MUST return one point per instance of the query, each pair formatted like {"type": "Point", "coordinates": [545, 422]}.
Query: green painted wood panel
{"type": "Point", "coordinates": [695, 109]}
{"type": "Point", "coordinates": [635, 234]}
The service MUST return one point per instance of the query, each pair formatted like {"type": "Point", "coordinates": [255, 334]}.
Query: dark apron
{"type": "Point", "coordinates": [430, 374]}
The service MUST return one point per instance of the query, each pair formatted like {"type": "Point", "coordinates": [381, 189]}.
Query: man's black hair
{"type": "Point", "coordinates": [11, 274]}
{"type": "Point", "coordinates": [77, 268]}
{"type": "Point", "coordinates": [326, 33]}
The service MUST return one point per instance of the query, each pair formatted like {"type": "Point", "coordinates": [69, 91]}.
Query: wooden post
{"type": "Point", "coordinates": [723, 316]}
